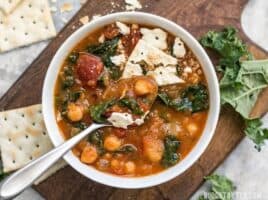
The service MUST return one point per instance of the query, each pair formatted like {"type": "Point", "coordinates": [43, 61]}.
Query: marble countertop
{"type": "Point", "coordinates": [245, 166]}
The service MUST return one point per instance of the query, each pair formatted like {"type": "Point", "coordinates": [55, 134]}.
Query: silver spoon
{"type": "Point", "coordinates": [24, 177]}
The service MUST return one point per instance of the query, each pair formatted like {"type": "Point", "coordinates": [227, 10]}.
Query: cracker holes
{"type": "Point", "coordinates": [33, 123]}
{"type": "Point", "coordinates": [37, 145]}
{"type": "Point", "coordinates": [44, 133]}
{"type": "Point", "coordinates": [25, 33]}
{"type": "Point", "coordinates": [1, 22]}
{"type": "Point", "coordinates": [22, 17]}
{"type": "Point", "coordinates": [30, 157]}
{"type": "Point", "coordinates": [22, 115]}
{"type": "Point", "coordinates": [42, 10]}
{"type": "Point", "coordinates": [5, 119]}
{"type": "Point", "coordinates": [30, 5]}
{"type": "Point", "coordinates": [6, 39]}
{"type": "Point", "coordinates": [34, 22]}
{"type": "Point", "coordinates": [40, 111]}
{"type": "Point", "coordinates": [13, 161]}
{"type": "Point", "coordinates": [20, 148]}
{"type": "Point", "coordinates": [9, 139]}
{"type": "Point", "coordinates": [13, 28]}
{"type": "Point", "coordinates": [26, 136]}
{"type": "Point", "coordinates": [16, 127]}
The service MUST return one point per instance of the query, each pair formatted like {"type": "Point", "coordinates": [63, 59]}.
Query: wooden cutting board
{"type": "Point", "coordinates": [197, 16]}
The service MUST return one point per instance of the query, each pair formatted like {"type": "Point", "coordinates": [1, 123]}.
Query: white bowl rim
{"type": "Point", "coordinates": [119, 181]}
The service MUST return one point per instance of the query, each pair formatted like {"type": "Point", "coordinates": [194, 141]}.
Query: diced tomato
{"type": "Point", "coordinates": [130, 41]}
{"type": "Point", "coordinates": [89, 68]}
{"type": "Point", "coordinates": [111, 31]}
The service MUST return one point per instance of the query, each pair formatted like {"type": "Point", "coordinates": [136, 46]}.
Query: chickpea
{"type": "Point", "coordinates": [192, 128]}
{"type": "Point", "coordinates": [143, 87]}
{"type": "Point", "coordinates": [89, 155]}
{"type": "Point", "coordinates": [130, 167]}
{"type": "Point", "coordinates": [153, 148]}
{"type": "Point", "coordinates": [112, 143]}
{"type": "Point", "coordinates": [74, 112]}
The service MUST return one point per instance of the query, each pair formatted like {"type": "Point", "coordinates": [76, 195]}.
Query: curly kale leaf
{"type": "Point", "coordinates": [222, 188]}
{"type": "Point", "coordinates": [256, 133]}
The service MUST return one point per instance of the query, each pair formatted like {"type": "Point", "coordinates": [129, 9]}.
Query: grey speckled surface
{"type": "Point", "coordinates": [245, 165]}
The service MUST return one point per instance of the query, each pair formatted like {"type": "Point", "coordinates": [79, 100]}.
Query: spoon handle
{"type": "Point", "coordinates": [24, 177]}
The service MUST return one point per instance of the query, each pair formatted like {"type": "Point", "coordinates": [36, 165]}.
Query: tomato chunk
{"type": "Point", "coordinates": [130, 41]}
{"type": "Point", "coordinates": [89, 68]}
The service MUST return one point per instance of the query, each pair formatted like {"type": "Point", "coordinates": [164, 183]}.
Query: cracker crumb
{"type": "Point", "coordinates": [84, 20]}
{"type": "Point", "coordinates": [66, 7]}
{"type": "Point", "coordinates": [132, 5]}
{"type": "Point", "coordinates": [64, 20]}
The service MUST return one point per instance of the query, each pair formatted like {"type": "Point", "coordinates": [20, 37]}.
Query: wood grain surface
{"type": "Point", "coordinates": [197, 16]}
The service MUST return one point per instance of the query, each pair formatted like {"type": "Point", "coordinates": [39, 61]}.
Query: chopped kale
{"type": "Point", "coordinates": [193, 99]}
{"type": "Point", "coordinates": [170, 156]}
{"type": "Point", "coordinates": [132, 104]}
{"type": "Point", "coordinates": [73, 57]}
{"type": "Point", "coordinates": [127, 148]}
{"type": "Point", "coordinates": [96, 138]}
{"type": "Point", "coordinates": [105, 50]}
{"type": "Point", "coordinates": [97, 111]}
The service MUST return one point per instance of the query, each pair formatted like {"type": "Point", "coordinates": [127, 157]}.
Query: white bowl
{"type": "Point", "coordinates": [119, 181]}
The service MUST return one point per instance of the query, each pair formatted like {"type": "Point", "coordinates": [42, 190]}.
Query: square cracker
{"type": "Point", "coordinates": [30, 21]}
{"type": "Point", "coordinates": [23, 137]}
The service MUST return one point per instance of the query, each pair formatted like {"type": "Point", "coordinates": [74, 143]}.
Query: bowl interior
{"type": "Point", "coordinates": [113, 180]}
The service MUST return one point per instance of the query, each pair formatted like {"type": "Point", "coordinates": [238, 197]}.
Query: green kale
{"type": "Point", "coordinates": [256, 133]}
{"type": "Point", "coordinates": [132, 104]}
{"type": "Point", "coordinates": [96, 138]}
{"type": "Point", "coordinates": [127, 148]}
{"type": "Point", "coordinates": [243, 78]}
{"type": "Point", "coordinates": [97, 111]}
{"type": "Point", "coordinates": [80, 125]}
{"type": "Point", "coordinates": [68, 79]}
{"type": "Point", "coordinates": [73, 57]}
{"type": "Point", "coordinates": [170, 156]}
{"type": "Point", "coordinates": [105, 50]}
{"type": "Point", "coordinates": [193, 99]}
{"type": "Point", "coordinates": [231, 49]}
{"type": "Point", "coordinates": [251, 79]}
{"type": "Point", "coordinates": [221, 188]}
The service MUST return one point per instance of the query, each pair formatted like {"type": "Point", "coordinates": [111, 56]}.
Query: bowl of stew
{"type": "Point", "coordinates": [109, 70]}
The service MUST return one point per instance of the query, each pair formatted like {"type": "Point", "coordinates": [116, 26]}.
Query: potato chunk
{"type": "Point", "coordinates": [143, 87]}
{"type": "Point", "coordinates": [153, 148]}
{"type": "Point", "coordinates": [112, 143]}
{"type": "Point", "coordinates": [89, 155]}
{"type": "Point", "coordinates": [74, 112]}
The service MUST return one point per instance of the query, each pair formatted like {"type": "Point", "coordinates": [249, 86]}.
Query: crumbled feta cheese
{"type": "Point", "coordinates": [187, 70]}
{"type": "Point", "coordinates": [133, 4]}
{"type": "Point", "coordinates": [140, 121]}
{"type": "Point", "coordinates": [155, 37]}
{"type": "Point", "coordinates": [118, 60]}
{"type": "Point", "coordinates": [165, 75]}
{"type": "Point", "coordinates": [178, 48]}
{"type": "Point", "coordinates": [123, 28]}
{"type": "Point", "coordinates": [101, 39]}
{"type": "Point", "coordinates": [120, 120]}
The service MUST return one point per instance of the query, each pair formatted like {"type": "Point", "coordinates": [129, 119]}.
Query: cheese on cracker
{"type": "Point", "coordinates": [30, 21]}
